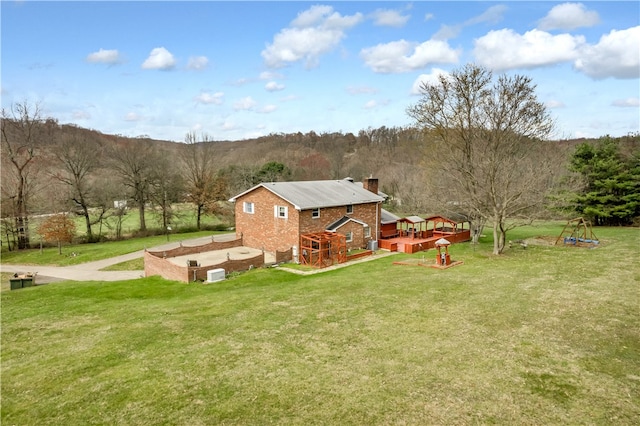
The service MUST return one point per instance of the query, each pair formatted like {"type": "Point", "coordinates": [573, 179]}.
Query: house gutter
{"type": "Point", "coordinates": [378, 206]}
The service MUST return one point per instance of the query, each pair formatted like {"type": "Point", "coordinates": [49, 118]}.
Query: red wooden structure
{"type": "Point", "coordinates": [412, 227]}
{"type": "Point", "coordinates": [322, 249]}
{"type": "Point", "coordinates": [443, 259]}
{"type": "Point", "coordinates": [417, 234]}
{"type": "Point", "coordinates": [453, 231]}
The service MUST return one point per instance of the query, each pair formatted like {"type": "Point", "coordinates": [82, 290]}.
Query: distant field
{"type": "Point", "coordinates": [184, 218]}
{"type": "Point", "coordinates": [547, 335]}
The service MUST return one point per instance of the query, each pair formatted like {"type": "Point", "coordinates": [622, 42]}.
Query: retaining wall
{"type": "Point", "coordinates": [157, 262]}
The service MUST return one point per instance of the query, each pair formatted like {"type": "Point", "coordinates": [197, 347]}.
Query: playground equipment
{"type": "Point", "coordinates": [578, 232]}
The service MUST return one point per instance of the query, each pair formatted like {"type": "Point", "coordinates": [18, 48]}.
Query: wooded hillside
{"type": "Point", "coordinates": [48, 167]}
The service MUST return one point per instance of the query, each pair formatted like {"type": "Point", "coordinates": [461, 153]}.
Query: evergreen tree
{"type": "Point", "coordinates": [611, 191]}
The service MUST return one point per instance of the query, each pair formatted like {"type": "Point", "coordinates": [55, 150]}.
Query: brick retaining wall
{"type": "Point", "coordinates": [284, 256]}
{"type": "Point", "coordinates": [154, 265]}
{"type": "Point", "coordinates": [158, 263]}
{"type": "Point", "coordinates": [228, 266]}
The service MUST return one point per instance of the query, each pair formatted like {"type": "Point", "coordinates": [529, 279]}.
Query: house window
{"type": "Point", "coordinates": [349, 237]}
{"type": "Point", "coordinates": [315, 213]}
{"type": "Point", "coordinates": [350, 209]}
{"type": "Point", "coordinates": [247, 207]}
{"type": "Point", "coordinates": [281, 211]}
{"type": "Point", "coordinates": [367, 232]}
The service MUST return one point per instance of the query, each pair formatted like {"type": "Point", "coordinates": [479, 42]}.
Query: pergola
{"type": "Point", "coordinates": [444, 224]}
{"type": "Point", "coordinates": [412, 226]}
{"type": "Point", "coordinates": [322, 249]}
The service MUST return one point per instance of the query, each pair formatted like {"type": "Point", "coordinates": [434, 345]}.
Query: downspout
{"type": "Point", "coordinates": [378, 206]}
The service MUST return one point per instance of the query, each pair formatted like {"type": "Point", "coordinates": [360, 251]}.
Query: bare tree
{"type": "Point", "coordinates": [78, 158]}
{"type": "Point", "coordinates": [199, 171]}
{"type": "Point", "coordinates": [134, 162]}
{"type": "Point", "coordinates": [24, 130]}
{"type": "Point", "coordinates": [166, 190]}
{"type": "Point", "coordinates": [491, 135]}
{"type": "Point", "coordinates": [110, 209]}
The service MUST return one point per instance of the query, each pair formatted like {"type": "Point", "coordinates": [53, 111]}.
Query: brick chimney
{"type": "Point", "coordinates": [371, 184]}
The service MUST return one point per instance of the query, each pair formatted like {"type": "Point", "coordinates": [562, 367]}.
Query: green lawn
{"type": "Point", "coordinates": [544, 335]}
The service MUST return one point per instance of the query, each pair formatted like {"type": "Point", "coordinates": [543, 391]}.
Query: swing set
{"type": "Point", "coordinates": [578, 232]}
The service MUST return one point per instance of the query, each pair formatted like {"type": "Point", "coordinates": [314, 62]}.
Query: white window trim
{"type": "Point", "coordinates": [276, 212]}
{"type": "Point", "coordinates": [367, 231]}
{"type": "Point", "coordinates": [350, 209]}
{"type": "Point", "coordinates": [248, 207]}
{"type": "Point", "coordinates": [349, 236]}
{"type": "Point", "coordinates": [314, 215]}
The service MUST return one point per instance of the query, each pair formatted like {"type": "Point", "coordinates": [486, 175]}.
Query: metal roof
{"type": "Point", "coordinates": [344, 219]}
{"type": "Point", "coordinates": [412, 219]}
{"type": "Point", "coordinates": [314, 194]}
{"type": "Point", "coordinates": [388, 217]}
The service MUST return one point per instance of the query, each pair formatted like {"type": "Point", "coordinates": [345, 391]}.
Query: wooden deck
{"type": "Point", "coordinates": [407, 244]}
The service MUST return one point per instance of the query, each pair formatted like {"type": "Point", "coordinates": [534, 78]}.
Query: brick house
{"type": "Point", "coordinates": [274, 215]}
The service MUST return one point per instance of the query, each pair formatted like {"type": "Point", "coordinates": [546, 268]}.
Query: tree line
{"type": "Point", "coordinates": [479, 146]}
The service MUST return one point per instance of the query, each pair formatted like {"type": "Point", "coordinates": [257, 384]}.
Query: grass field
{"type": "Point", "coordinates": [183, 220]}
{"type": "Point", "coordinates": [544, 336]}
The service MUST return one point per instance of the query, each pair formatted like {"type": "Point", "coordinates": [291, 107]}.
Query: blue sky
{"type": "Point", "coordinates": [236, 70]}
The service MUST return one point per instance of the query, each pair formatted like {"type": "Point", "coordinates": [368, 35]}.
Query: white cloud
{"type": "Point", "coordinates": [429, 79]}
{"type": "Point", "coordinates": [159, 59]}
{"type": "Point", "coordinates": [274, 86]}
{"type": "Point", "coordinates": [568, 16]}
{"type": "Point", "coordinates": [313, 33]}
{"type": "Point", "coordinates": [105, 56]}
{"type": "Point", "coordinates": [325, 17]}
{"type": "Point", "coordinates": [627, 103]}
{"type": "Point", "coordinates": [371, 104]}
{"type": "Point", "coordinates": [246, 104]}
{"type": "Point", "coordinates": [505, 49]}
{"type": "Point", "coordinates": [268, 109]}
{"type": "Point", "coordinates": [403, 56]}
{"type": "Point", "coordinates": [210, 98]}
{"type": "Point", "coordinates": [389, 18]}
{"type": "Point", "coordinates": [447, 32]}
{"type": "Point", "coordinates": [492, 15]}
{"type": "Point", "coordinates": [616, 55]}
{"type": "Point", "coordinates": [132, 116]}
{"type": "Point", "coordinates": [270, 75]}
{"type": "Point", "coordinates": [228, 125]}
{"type": "Point", "coordinates": [197, 63]}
